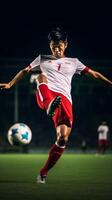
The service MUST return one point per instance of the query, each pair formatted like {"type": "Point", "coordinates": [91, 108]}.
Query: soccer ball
{"type": "Point", "coordinates": [19, 134]}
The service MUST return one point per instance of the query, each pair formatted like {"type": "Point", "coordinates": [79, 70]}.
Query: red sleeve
{"type": "Point", "coordinates": [29, 68]}
{"type": "Point", "coordinates": [85, 70]}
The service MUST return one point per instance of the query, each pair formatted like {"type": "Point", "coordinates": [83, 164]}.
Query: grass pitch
{"type": "Point", "coordinates": [75, 177]}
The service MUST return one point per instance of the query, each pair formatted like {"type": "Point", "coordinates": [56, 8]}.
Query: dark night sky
{"type": "Point", "coordinates": [25, 26]}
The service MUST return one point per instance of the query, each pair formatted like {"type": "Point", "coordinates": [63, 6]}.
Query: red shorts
{"type": "Point", "coordinates": [103, 143]}
{"type": "Point", "coordinates": [63, 114]}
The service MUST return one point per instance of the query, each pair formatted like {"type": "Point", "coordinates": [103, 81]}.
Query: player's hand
{"type": "Point", "coordinates": [4, 86]}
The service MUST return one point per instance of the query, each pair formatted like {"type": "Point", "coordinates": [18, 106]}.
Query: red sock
{"type": "Point", "coordinates": [54, 155]}
{"type": "Point", "coordinates": [46, 94]}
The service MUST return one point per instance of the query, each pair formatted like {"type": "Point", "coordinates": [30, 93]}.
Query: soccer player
{"type": "Point", "coordinates": [103, 138]}
{"type": "Point", "coordinates": [54, 91]}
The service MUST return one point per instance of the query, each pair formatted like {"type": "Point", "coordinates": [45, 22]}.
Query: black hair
{"type": "Point", "coordinates": [57, 35]}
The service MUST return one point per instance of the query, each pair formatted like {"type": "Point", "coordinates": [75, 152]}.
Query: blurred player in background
{"type": "Point", "coordinates": [54, 91]}
{"type": "Point", "coordinates": [103, 137]}
{"type": "Point", "coordinates": [84, 146]}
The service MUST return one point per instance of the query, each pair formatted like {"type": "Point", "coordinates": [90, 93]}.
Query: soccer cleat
{"type": "Point", "coordinates": [53, 105]}
{"type": "Point", "coordinates": [41, 179]}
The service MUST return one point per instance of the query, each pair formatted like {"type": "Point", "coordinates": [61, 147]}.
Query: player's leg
{"type": "Point", "coordinates": [56, 151]}
{"type": "Point", "coordinates": [105, 146]}
{"type": "Point", "coordinates": [50, 103]}
{"type": "Point", "coordinates": [63, 114]}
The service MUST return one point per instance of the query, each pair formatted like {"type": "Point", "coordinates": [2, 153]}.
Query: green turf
{"type": "Point", "coordinates": [75, 177]}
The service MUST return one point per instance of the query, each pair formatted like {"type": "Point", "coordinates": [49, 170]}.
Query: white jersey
{"type": "Point", "coordinates": [59, 72]}
{"type": "Point", "coordinates": [103, 132]}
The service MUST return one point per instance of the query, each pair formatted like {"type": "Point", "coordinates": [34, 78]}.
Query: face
{"type": "Point", "coordinates": [58, 49]}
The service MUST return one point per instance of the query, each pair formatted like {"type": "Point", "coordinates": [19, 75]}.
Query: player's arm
{"type": "Point", "coordinates": [21, 74]}
{"type": "Point", "coordinates": [98, 75]}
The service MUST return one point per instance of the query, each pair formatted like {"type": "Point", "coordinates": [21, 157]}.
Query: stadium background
{"type": "Point", "coordinates": [91, 104]}
{"type": "Point", "coordinates": [23, 36]}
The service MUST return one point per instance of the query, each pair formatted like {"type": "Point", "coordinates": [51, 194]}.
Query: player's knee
{"type": "Point", "coordinates": [63, 133]}
{"type": "Point", "coordinates": [42, 78]}
{"type": "Point", "coordinates": [62, 140]}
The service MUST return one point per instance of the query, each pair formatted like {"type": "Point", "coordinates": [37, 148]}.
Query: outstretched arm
{"type": "Point", "coordinates": [98, 75]}
{"type": "Point", "coordinates": [18, 76]}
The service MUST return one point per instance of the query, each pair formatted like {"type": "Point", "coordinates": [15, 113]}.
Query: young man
{"type": "Point", "coordinates": [54, 91]}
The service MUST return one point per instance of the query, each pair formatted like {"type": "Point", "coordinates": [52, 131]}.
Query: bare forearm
{"type": "Point", "coordinates": [18, 76]}
{"type": "Point", "coordinates": [98, 75]}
